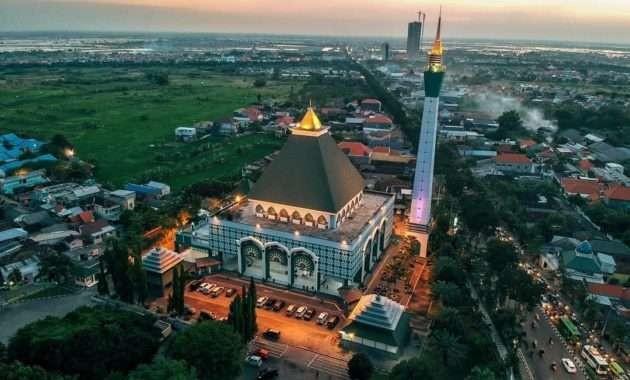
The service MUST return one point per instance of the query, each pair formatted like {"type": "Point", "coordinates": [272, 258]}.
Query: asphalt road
{"type": "Point", "coordinates": [15, 316]}
{"type": "Point", "coordinates": [541, 367]}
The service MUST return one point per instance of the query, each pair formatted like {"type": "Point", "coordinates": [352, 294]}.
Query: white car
{"type": "Point", "coordinates": [322, 318]}
{"type": "Point", "coordinates": [299, 313]}
{"type": "Point", "coordinates": [568, 365]}
{"type": "Point", "coordinates": [260, 302]}
{"type": "Point", "coordinates": [254, 360]}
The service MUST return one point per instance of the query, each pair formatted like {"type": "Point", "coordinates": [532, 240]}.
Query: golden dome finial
{"type": "Point", "coordinates": [436, 53]}
{"type": "Point", "coordinates": [310, 121]}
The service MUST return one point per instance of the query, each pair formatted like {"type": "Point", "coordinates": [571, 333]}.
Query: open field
{"type": "Point", "coordinates": [124, 123]}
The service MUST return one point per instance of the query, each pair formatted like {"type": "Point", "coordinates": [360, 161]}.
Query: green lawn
{"type": "Point", "coordinates": [121, 121]}
{"type": "Point", "coordinates": [51, 291]}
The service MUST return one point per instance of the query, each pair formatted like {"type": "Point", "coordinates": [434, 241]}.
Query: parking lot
{"type": "Point", "coordinates": [294, 332]}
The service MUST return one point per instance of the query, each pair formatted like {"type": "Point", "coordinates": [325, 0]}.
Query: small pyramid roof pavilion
{"type": "Point", "coordinates": [160, 260]}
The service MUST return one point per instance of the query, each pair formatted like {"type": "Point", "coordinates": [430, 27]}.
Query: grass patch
{"type": "Point", "coordinates": [121, 121]}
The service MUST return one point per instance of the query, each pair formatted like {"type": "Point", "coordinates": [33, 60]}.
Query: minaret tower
{"type": "Point", "coordinates": [420, 213]}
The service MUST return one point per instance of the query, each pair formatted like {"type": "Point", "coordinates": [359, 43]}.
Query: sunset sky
{"type": "Point", "coordinates": [575, 20]}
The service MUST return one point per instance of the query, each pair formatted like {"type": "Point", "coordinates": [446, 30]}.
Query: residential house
{"type": "Point", "coordinates": [164, 188]}
{"type": "Point", "coordinates": [23, 181]}
{"type": "Point", "coordinates": [186, 134]}
{"type": "Point", "coordinates": [614, 296]}
{"type": "Point", "coordinates": [617, 197]}
{"type": "Point", "coordinates": [614, 248]}
{"type": "Point", "coordinates": [359, 154]}
{"type": "Point", "coordinates": [377, 123]}
{"type": "Point", "coordinates": [28, 268]}
{"type": "Point", "coordinates": [97, 231]}
{"type": "Point", "coordinates": [514, 163]}
{"type": "Point", "coordinates": [586, 188]}
{"type": "Point", "coordinates": [370, 104]}
{"type": "Point", "coordinates": [582, 264]}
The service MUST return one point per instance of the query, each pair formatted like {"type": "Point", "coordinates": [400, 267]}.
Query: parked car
{"type": "Point", "coordinates": [217, 291]}
{"type": "Point", "coordinates": [269, 303]}
{"type": "Point", "coordinates": [267, 374]}
{"type": "Point", "coordinates": [322, 318]}
{"type": "Point", "coordinates": [272, 334]}
{"type": "Point", "coordinates": [278, 305]}
{"type": "Point", "coordinates": [291, 309]}
{"type": "Point", "coordinates": [260, 302]}
{"type": "Point", "coordinates": [229, 292]}
{"type": "Point", "coordinates": [264, 354]}
{"type": "Point", "coordinates": [332, 322]}
{"type": "Point", "coordinates": [309, 314]}
{"type": "Point", "coordinates": [189, 310]}
{"type": "Point", "coordinates": [254, 360]}
{"type": "Point", "coordinates": [205, 315]}
{"type": "Point", "coordinates": [299, 313]}
{"type": "Point", "coordinates": [194, 285]}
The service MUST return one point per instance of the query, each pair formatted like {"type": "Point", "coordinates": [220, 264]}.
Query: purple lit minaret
{"type": "Point", "coordinates": [420, 213]}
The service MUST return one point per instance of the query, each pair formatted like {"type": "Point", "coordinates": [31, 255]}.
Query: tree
{"type": "Point", "coordinates": [260, 82]}
{"type": "Point", "coordinates": [178, 286]}
{"type": "Point", "coordinates": [412, 369]}
{"type": "Point", "coordinates": [213, 348]}
{"type": "Point", "coordinates": [510, 123]}
{"type": "Point", "coordinates": [500, 255]}
{"type": "Point", "coordinates": [15, 276]}
{"type": "Point", "coordinates": [139, 279]}
{"type": "Point", "coordinates": [117, 259]}
{"type": "Point", "coordinates": [55, 266]}
{"type": "Point", "coordinates": [449, 293]}
{"type": "Point", "coordinates": [90, 342]}
{"type": "Point", "coordinates": [19, 371]}
{"type": "Point", "coordinates": [448, 346]}
{"type": "Point", "coordinates": [235, 314]}
{"type": "Point", "coordinates": [103, 286]}
{"type": "Point", "coordinates": [360, 367]}
{"type": "Point", "coordinates": [480, 373]}
{"type": "Point", "coordinates": [162, 368]}
{"type": "Point", "coordinates": [252, 326]}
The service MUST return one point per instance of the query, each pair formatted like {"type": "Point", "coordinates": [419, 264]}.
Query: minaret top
{"type": "Point", "coordinates": [437, 52]}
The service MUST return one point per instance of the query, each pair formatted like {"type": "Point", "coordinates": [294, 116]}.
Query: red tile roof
{"type": "Point", "coordinates": [581, 186]}
{"type": "Point", "coordinates": [618, 193]}
{"type": "Point", "coordinates": [608, 290]}
{"type": "Point", "coordinates": [378, 119]}
{"type": "Point", "coordinates": [504, 148]}
{"type": "Point", "coordinates": [370, 101]}
{"type": "Point", "coordinates": [513, 158]}
{"type": "Point", "coordinates": [385, 149]}
{"type": "Point", "coordinates": [353, 148]}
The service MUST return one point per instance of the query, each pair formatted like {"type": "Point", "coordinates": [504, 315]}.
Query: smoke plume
{"type": "Point", "coordinates": [494, 105]}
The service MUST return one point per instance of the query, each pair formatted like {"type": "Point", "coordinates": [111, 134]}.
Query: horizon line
{"type": "Point", "coordinates": [375, 37]}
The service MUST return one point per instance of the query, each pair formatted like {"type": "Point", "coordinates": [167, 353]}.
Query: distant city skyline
{"type": "Point", "coordinates": [559, 20]}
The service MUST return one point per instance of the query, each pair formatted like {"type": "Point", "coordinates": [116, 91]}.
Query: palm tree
{"type": "Point", "coordinates": [448, 345]}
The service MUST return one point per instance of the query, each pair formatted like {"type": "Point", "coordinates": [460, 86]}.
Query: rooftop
{"type": "Point", "coordinates": [349, 230]}
{"type": "Point", "coordinates": [513, 158]}
{"type": "Point", "coordinates": [160, 260]}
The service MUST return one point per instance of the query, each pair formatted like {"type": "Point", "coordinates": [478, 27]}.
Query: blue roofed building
{"type": "Point", "coordinates": [583, 264]}
{"type": "Point", "coordinates": [12, 146]}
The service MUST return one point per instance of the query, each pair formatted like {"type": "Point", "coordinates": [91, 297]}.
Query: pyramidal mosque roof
{"type": "Point", "coordinates": [310, 171]}
{"type": "Point", "coordinates": [377, 311]}
{"type": "Point", "coordinates": [160, 260]}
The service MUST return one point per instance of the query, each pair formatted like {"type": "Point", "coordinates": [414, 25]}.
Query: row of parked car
{"type": "Point", "coordinates": [212, 290]}
{"type": "Point", "coordinates": [300, 312]}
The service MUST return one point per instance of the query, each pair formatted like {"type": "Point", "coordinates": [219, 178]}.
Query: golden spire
{"type": "Point", "coordinates": [310, 121]}
{"type": "Point", "coordinates": [436, 53]}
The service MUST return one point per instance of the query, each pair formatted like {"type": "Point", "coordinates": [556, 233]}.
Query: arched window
{"type": "Point", "coordinates": [322, 221]}
{"type": "Point", "coordinates": [284, 215]}
{"type": "Point", "coordinates": [309, 218]}
{"type": "Point", "coordinates": [296, 215]}
{"type": "Point", "coordinates": [260, 209]}
{"type": "Point", "coordinates": [271, 211]}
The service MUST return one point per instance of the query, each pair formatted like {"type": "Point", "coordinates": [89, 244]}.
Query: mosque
{"type": "Point", "coordinates": [308, 223]}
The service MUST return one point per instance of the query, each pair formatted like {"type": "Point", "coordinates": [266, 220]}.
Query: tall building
{"type": "Point", "coordinates": [420, 213]}
{"type": "Point", "coordinates": [385, 50]}
{"type": "Point", "coordinates": [414, 37]}
{"type": "Point", "coordinates": [307, 223]}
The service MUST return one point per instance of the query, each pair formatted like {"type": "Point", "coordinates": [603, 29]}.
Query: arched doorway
{"type": "Point", "coordinates": [277, 264]}
{"type": "Point", "coordinates": [303, 270]}
{"type": "Point", "coordinates": [375, 248]}
{"type": "Point", "coordinates": [367, 252]}
{"type": "Point", "coordinates": [251, 254]}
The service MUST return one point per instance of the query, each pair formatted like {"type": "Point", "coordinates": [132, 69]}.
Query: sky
{"type": "Point", "coordinates": [560, 20]}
